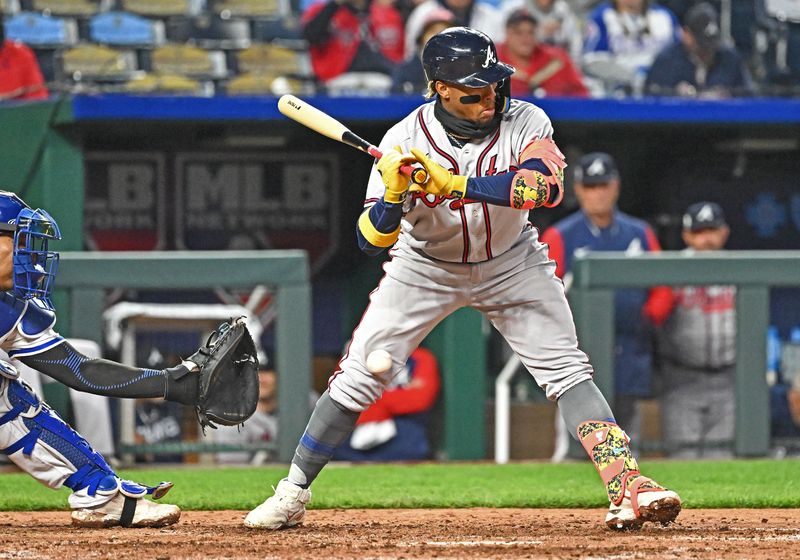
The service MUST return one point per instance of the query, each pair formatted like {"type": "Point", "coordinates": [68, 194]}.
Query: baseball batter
{"type": "Point", "coordinates": [466, 241]}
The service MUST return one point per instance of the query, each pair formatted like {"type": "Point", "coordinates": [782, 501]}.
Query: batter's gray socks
{"type": "Point", "coordinates": [582, 403]}
{"type": "Point", "coordinates": [330, 425]}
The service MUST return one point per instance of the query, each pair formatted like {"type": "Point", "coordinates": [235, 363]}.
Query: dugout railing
{"type": "Point", "coordinates": [597, 275]}
{"type": "Point", "coordinates": [591, 295]}
{"type": "Point", "coordinates": [83, 279]}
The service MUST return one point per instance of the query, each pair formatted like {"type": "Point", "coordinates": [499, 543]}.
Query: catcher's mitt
{"type": "Point", "coordinates": [228, 376]}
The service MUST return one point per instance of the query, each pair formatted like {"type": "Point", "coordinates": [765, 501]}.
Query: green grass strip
{"type": "Point", "coordinates": [701, 484]}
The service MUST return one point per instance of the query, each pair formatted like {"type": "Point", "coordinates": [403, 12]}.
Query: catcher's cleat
{"type": "Point", "coordinates": [644, 500]}
{"type": "Point", "coordinates": [125, 511]}
{"type": "Point", "coordinates": [286, 508]}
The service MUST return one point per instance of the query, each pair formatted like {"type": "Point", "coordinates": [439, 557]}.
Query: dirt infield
{"type": "Point", "coordinates": [395, 534]}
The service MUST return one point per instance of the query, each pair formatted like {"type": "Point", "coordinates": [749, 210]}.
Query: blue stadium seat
{"type": "Point", "coordinates": [124, 29]}
{"type": "Point", "coordinates": [38, 30]}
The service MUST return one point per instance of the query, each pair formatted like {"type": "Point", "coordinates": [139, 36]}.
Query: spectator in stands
{"type": "Point", "coordinates": [697, 351]}
{"type": "Point", "coordinates": [623, 38]}
{"type": "Point", "coordinates": [557, 25]}
{"type": "Point", "coordinates": [395, 427]}
{"type": "Point", "coordinates": [541, 70]}
{"type": "Point", "coordinates": [472, 13]}
{"type": "Point", "coordinates": [20, 75]}
{"type": "Point", "coordinates": [699, 65]}
{"type": "Point", "coordinates": [409, 77]}
{"type": "Point", "coordinates": [346, 36]}
{"type": "Point", "coordinates": [600, 226]}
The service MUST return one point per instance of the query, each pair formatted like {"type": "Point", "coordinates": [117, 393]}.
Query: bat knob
{"type": "Point", "coordinates": [419, 176]}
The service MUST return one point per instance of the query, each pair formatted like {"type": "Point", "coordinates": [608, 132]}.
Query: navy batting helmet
{"type": "Point", "coordinates": [464, 56]}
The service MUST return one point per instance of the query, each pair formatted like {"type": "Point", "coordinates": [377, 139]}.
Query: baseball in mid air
{"type": "Point", "coordinates": [379, 362]}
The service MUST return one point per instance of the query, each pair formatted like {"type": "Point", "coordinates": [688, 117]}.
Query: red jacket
{"type": "Point", "coordinates": [419, 395]}
{"type": "Point", "coordinates": [335, 55]}
{"type": "Point", "coordinates": [560, 77]}
{"type": "Point", "coordinates": [20, 76]}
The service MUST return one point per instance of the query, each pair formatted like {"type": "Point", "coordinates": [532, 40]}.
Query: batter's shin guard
{"type": "Point", "coordinates": [608, 448]}
{"type": "Point", "coordinates": [634, 498]}
{"type": "Point", "coordinates": [37, 440]}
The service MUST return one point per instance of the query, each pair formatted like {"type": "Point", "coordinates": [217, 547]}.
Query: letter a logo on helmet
{"type": "Point", "coordinates": [490, 58]}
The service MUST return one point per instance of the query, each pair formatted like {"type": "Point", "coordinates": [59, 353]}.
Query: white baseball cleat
{"type": "Point", "coordinates": [658, 506]}
{"type": "Point", "coordinates": [113, 513]}
{"type": "Point", "coordinates": [286, 508]}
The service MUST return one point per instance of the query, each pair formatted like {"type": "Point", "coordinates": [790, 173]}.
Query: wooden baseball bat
{"type": "Point", "coordinates": [311, 117]}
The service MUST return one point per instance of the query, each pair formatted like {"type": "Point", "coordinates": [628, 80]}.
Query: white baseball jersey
{"type": "Point", "coordinates": [455, 253]}
{"type": "Point", "coordinates": [462, 231]}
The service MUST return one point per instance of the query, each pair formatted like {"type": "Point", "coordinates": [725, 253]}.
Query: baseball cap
{"type": "Point", "coordinates": [704, 215]}
{"type": "Point", "coordinates": [703, 21]}
{"type": "Point", "coordinates": [518, 15]}
{"type": "Point", "coordinates": [595, 168]}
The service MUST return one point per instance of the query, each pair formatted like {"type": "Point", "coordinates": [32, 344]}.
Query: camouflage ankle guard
{"type": "Point", "coordinates": [607, 446]}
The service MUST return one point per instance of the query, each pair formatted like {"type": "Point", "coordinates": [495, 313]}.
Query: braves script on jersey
{"type": "Point", "coordinates": [462, 230]}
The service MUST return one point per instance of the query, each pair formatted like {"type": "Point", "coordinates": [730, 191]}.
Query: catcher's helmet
{"type": "Point", "coordinates": [34, 266]}
{"type": "Point", "coordinates": [464, 56]}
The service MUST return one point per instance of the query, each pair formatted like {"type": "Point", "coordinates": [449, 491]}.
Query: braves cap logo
{"type": "Point", "coordinates": [596, 168]}
{"type": "Point", "coordinates": [706, 214]}
{"type": "Point", "coordinates": [491, 58]}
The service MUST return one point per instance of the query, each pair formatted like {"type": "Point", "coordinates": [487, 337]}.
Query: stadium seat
{"type": "Point", "coordinates": [359, 84]}
{"type": "Point", "coordinates": [274, 59]}
{"type": "Point", "coordinates": [168, 84]}
{"type": "Point", "coordinates": [210, 32]}
{"type": "Point", "coordinates": [285, 29]}
{"type": "Point", "coordinates": [188, 60]}
{"type": "Point", "coordinates": [75, 8]}
{"type": "Point", "coordinates": [163, 8]}
{"type": "Point", "coordinates": [98, 63]}
{"type": "Point", "coordinates": [9, 7]}
{"type": "Point", "coordinates": [253, 83]}
{"type": "Point", "coordinates": [124, 29]}
{"type": "Point", "coordinates": [37, 30]}
{"type": "Point", "coordinates": [250, 8]}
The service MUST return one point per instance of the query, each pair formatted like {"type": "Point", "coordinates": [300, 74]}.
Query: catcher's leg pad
{"type": "Point", "coordinates": [37, 440]}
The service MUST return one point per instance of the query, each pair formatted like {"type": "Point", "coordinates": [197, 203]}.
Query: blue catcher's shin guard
{"type": "Point", "coordinates": [43, 445]}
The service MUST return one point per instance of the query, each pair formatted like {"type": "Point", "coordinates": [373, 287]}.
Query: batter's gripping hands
{"type": "Point", "coordinates": [395, 182]}
{"type": "Point", "coordinates": [440, 181]}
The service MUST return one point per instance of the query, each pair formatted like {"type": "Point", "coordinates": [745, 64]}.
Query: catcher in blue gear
{"type": "Point", "coordinates": [219, 380]}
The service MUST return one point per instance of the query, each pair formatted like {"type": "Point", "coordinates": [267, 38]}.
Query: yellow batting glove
{"type": "Point", "coordinates": [440, 181]}
{"type": "Point", "coordinates": [395, 182]}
